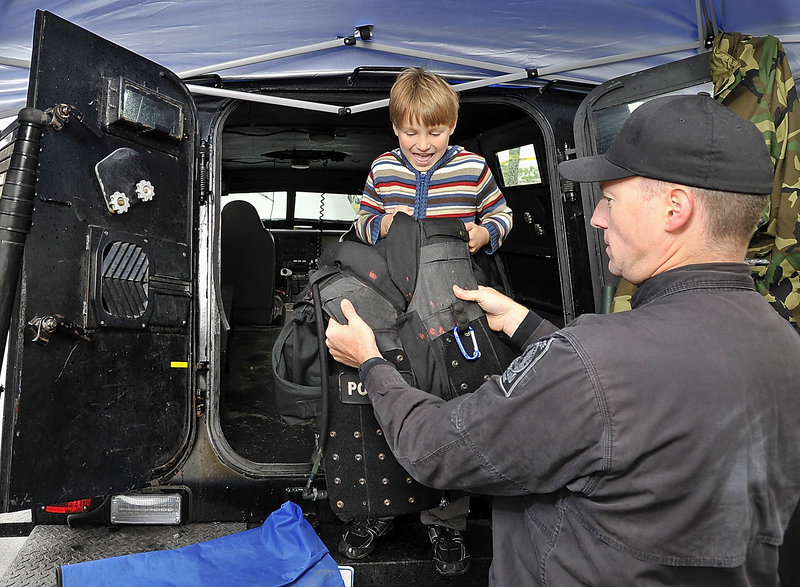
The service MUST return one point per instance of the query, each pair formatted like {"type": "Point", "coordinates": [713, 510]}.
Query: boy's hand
{"type": "Point", "coordinates": [478, 237]}
{"type": "Point", "coordinates": [351, 343]}
{"type": "Point", "coordinates": [502, 312]}
{"type": "Point", "coordinates": [386, 221]}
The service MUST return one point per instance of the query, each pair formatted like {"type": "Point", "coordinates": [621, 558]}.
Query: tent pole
{"type": "Point", "coordinates": [372, 46]}
{"type": "Point", "coordinates": [263, 99]}
{"type": "Point", "coordinates": [22, 63]}
{"type": "Point", "coordinates": [713, 17]}
{"type": "Point", "coordinates": [261, 58]}
{"type": "Point", "coordinates": [615, 59]}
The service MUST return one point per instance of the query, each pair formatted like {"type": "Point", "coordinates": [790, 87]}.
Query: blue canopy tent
{"type": "Point", "coordinates": [582, 40]}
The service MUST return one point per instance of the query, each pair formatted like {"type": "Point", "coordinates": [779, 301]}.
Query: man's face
{"type": "Point", "coordinates": [631, 225]}
{"type": "Point", "coordinates": [423, 145]}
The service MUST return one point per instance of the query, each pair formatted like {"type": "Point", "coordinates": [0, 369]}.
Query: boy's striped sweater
{"type": "Point", "coordinates": [459, 185]}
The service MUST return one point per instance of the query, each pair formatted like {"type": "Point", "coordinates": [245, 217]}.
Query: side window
{"type": "Point", "coordinates": [307, 206]}
{"type": "Point", "coordinates": [331, 207]}
{"type": "Point", "coordinates": [519, 166]}
{"type": "Point", "coordinates": [607, 121]}
{"type": "Point", "coordinates": [270, 205]}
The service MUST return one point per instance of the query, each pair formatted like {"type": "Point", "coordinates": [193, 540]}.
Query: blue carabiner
{"type": "Point", "coordinates": [471, 333]}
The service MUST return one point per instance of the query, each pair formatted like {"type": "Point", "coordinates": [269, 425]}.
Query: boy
{"type": "Point", "coordinates": [426, 177]}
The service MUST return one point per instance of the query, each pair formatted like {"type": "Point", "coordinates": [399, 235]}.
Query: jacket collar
{"type": "Point", "coordinates": [693, 277]}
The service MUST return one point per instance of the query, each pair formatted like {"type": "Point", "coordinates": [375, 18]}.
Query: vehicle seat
{"type": "Point", "coordinates": [247, 252]}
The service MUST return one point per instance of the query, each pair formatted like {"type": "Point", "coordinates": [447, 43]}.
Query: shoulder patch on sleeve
{"type": "Point", "coordinates": [522, 364]}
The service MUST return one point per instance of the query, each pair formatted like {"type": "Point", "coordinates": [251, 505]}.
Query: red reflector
{"type": "Point", "coordinates": [69, 507]}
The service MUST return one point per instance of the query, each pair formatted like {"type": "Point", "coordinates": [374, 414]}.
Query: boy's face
{"type": "Point", "coordinates": [423, 145]}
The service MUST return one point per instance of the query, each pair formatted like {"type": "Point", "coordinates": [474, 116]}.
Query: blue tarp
{"type": "Point", "coordinates": [285, 550]}
{"type": "Point", "coordinates": [560, 35]}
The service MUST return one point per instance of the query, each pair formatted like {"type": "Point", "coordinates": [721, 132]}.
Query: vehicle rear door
{"type": "Point", "coordinates": [99, 394]}
{"type": "Point", "coordinates": [600, 117]}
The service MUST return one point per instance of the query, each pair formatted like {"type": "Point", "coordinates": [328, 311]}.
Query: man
{"type": "Point", "coordinates": [651, 447]}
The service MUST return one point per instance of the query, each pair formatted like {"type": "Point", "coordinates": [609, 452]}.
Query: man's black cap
{"type": "Point", "coordinates": [689, 139]}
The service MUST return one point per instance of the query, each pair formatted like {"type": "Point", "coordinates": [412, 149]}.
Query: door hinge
{"type": "Point", "coordinates": [568, 188]}
{"type": "Point", "coordinates": [204, 174]}
{"type": "Point", "coordinates": [199, 394]}
{"type": "Point", "coordinates": [45, 326]}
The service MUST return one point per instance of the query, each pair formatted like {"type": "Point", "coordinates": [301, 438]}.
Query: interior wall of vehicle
{"type": "Point", "coordinates": [268, 149]}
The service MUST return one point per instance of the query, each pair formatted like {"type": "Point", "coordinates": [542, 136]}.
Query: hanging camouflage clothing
{"type": "Point", "coordinates": [752, 77]}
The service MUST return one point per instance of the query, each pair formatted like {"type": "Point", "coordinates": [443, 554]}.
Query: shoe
{"type": "Point", "coordinates": [359, 540]}
{"type": "Point", "coordinates": [450, 554]}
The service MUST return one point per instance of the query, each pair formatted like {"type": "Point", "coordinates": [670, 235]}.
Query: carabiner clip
{"type": "Point", "coordinates": [471, 333]}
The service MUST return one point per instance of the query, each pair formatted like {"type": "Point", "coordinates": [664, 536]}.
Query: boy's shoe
{"type": "Point", "coordinates": [450, 554]}
{"type": "Point", "coordinates": [359, 540]}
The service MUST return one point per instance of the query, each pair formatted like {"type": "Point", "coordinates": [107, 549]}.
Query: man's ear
{"type": "Point", "coordinates": [394, 128]}
{"type": "Point", "coordinates": [680, 208]}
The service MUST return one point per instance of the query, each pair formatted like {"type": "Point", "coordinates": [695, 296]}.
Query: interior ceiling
{"type": "Point", "coordinates": [261, 143]}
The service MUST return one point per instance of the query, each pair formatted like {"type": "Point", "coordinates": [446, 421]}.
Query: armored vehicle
{"type": "Point", "coordinates": [143, 300]}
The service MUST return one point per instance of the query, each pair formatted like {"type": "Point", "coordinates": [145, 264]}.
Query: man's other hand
{"type": "Point", "coordinates": [502, 312]}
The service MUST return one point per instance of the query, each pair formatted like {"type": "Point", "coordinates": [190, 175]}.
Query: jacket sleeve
{"type": "Point", "coordinates": [534, 429]}
{"type": "Point", "coordinates": [493, 211]}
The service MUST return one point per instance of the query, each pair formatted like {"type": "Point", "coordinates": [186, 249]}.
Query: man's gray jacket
{"type": "Point", "coordinates": [651, 447]}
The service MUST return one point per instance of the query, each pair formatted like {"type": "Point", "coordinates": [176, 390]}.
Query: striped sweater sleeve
{"type": "Point", "coordinates": [368, 220]}
{"type": "Point", "coordinates": [493, 211]}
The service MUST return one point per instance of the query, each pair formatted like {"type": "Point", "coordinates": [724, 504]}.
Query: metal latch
{"type": "Point", "coordinates": [47, 325]}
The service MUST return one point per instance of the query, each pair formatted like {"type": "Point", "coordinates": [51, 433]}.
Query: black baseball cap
{"type": "Point", "coordinates": [688, 139]}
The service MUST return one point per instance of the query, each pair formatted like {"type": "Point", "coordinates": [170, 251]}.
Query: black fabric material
{"type": "Point", "coordinates": [295, 365]}
{"type": "Point", "coordinates": [369, 264]}
{"type": "Point", "coordinates": [402, 288]}
{"type": "Point", "coordinates": [382, 281]}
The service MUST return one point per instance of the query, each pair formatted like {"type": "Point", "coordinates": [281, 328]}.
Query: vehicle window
{"type": "Point", "coordinates": [518, 166]}
{"type": "Point", "coordinates": [606, 122]}
{"type": "Point", "coordinates": [270, 205]}
{"type": "Point", "coordinates": [307, 205]}
{"type": "Point", "coordinates": [316, 205]}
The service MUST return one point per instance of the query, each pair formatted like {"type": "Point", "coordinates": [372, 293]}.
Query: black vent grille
{"type": "Point", "coordinates": [124, 280]}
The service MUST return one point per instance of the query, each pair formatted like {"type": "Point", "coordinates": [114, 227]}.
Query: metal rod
{"type": "Point", "coordinates": [23, 63]}
{"type": "Point", "coordinates": [698, 18]}
{"type": "Point", "coordinates": [435, 56]}
{"type": "Point", "coordinates": [488, 81]}
{"type": "Point", "coordinates": [261, 58]}
{"type": "Point", "coordinates": [263, 99]}
{"type": "Point", "coordinates": [542, 71]}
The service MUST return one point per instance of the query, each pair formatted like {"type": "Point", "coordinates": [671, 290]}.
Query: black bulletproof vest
{"type": "Point", "coordinates": [402, 288]}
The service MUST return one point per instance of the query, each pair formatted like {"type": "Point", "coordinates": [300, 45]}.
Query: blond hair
{"type": "Point", "coordinates": [422, 96]}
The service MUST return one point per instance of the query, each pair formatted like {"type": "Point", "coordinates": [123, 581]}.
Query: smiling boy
{"type": "Point", "coordinates": [427, 177]}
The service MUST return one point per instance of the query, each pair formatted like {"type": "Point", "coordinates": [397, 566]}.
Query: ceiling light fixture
{"type": "Point", "coordinates": [301, 163]}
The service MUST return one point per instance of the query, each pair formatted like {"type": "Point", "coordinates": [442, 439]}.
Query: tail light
{"type": "Point", "coordinates": [69, 507]}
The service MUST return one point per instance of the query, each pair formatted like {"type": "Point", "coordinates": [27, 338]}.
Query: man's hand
{"type": "Point", "coordinates": [502, 312]}
{"type": "Point", "coordinates": [351, 343]}
{"type": "Point", "coordinates": [478, 237]}
{"type": "Point", "coordinates": [386, 221]}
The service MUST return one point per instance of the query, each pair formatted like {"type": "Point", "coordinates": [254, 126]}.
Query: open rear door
{"type": "Point", "coordinates": [101, 369]}
{"type": "Point", "coordinates": [600, 117]}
